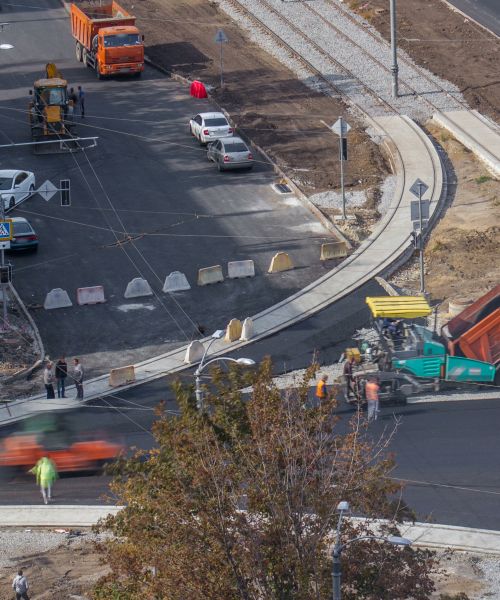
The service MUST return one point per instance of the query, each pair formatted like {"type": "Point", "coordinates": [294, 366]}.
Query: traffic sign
{"type": "Point", "coordinates": [4, 245]}
{"type": "Point", "coordinates": [6, 230]}
{"type": "Point", "coordinates": [221, 37]}
{"type": "Point", "coordinates": [416, 225]}
{"type": "Point", "coordinates": [419, 188]}
{"type": "Point", "coordinates": [47, 190]}
{"type": "Point", "coordinates": [340, 127]}
{"type": "Point", "coordinates": [64, 186]}
{"type": "Point", "coordinates": [414, 208]}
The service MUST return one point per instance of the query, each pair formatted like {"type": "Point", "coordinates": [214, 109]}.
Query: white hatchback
{"type": "Point", "coordinates": [16, 186]}
{"type": "Point", "coordinates": [208, 127]}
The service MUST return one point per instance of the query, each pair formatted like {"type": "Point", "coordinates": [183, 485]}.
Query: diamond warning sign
{"type": "Point", "coordinates": [6, 230]}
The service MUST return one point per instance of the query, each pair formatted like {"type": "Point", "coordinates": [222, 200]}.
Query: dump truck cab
{"type": "Point", "coordinates": [116, 50]}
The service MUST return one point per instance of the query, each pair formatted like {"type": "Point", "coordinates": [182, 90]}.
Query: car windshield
{"type": "Point", "coordinates": [121, 39]}
{"type": "Point", "coordinates": [5, 183]}
{"type": "Point", "coordinates": [237, 147]}
{"type": "Point", "coordinates": [21, 227]}
{"type": "Point", "coordinates": [219, 122]}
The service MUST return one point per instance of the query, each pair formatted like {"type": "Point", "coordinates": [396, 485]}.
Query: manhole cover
{"type": "Point", "coordinates": [282, 188]}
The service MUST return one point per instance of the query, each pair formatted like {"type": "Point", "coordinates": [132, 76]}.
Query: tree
{"type": "Point", "coordinates": [239, 502]}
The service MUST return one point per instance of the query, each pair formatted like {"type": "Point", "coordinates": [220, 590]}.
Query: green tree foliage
{"type": "Point", "coordinates": [239, 502]}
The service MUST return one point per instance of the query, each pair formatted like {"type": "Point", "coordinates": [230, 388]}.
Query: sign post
{"type": "Point", "coordinates": [341, 128]}
{"type": "Point", "coordinates": [419, 211]}
{"type": "Point", "coordinates": [221, 38]}
{"type": "Point", "coordinates": [6, 233]}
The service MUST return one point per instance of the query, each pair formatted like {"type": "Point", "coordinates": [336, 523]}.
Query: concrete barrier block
{"type": "Point", "coordinates": [176, 282]}
{"type": "Point", "coordinates": [194, 352]}
{"type": "Point", "coordinates": [233, 331]}
{"type": "Point", "coordinates": [240, 268]}
{"type": "Point", "coordinates": [138, 287]}
{"type": "Point", "coordinates": [57, 298]}
{"type": "Point", "coordinates": [90, 295]}
{"type": "Point", "coordinates": [247, 330]}
{"type": "Point", "coordinates": [333, 250]}
{"type": "Point", "coordinates": [280, 262]}
{"type": "Point", "coordinates": [209, 275]}
{"type": "Point", "coordinates": [121, 376]}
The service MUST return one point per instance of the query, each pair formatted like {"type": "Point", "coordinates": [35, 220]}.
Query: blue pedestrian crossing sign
{"type": "Point", "coordinates": [6, 230]}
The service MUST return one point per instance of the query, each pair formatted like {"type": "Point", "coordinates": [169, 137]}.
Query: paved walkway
{"type": "Point", "coordinates": [414, 157]}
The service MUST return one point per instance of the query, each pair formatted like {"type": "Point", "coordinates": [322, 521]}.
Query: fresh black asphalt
{"type": "Point", "coordinates": [486, 12]}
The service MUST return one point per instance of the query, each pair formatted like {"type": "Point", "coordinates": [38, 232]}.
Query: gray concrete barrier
{"type": "Point", "coordinates": [138, 287]}
{"type": "Point", "coordinates": [333, 250]}
{"type": "Point", "coordinates": [122, 376]}
{"type": "Point", "coordinates": [194, 352]}
{"type": "Point", "coordinates": [176, 282]}
{"type": "Point", "coordinates": [57, 298]}
{"type": "Point", "coordinates": [90, 295]}
{"type": "Point", "coordinates": [240, 268]}
{"type": "Point", "coordinates": [280, 262]}
{"type": "Point", "coordinates": [209, 275]}
{"type": "Point", "coordinates": [233, 330]}
{"type": "Point", "coordinates": [247, 331]}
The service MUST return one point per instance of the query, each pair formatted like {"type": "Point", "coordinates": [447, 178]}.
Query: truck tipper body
{"type": "Point", "coordinates": [106, 39]}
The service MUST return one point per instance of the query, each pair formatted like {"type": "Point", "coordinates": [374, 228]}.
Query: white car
{"type": "Point", "coordinates": [208, 127]}
{"type": "Point", "coordinates": [16, 186]}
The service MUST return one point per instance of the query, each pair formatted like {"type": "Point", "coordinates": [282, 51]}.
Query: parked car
{"type": "Point", "coordinates": [16, 186]}
{"type": "Point", "coordinates": [25, 237]}
{"type": "Point", "coordinates": [230, 153]}
{"type": "Point", "coordinates": [208, 127]}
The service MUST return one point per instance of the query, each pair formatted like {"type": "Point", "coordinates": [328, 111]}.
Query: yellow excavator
{"type": "Point", "coordinates": [51, 111]}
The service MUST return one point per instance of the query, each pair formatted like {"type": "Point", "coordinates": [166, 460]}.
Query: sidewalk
{"type": "Point", "coordinates": [390, 244]}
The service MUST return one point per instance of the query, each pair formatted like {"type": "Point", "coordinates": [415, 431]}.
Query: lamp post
{"type": "Point", "coordinates": [394, 49]}
{"type": "Point", "coordinates": [342, 508]}
{"type": "Point", "coordinates": [203, 365]}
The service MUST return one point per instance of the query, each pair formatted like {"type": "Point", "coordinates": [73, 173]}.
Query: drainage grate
{"type": "Point", "coordinates": [282, 188]}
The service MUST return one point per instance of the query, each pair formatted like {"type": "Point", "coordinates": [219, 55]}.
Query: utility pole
{"type": "Point", "coordinates": [394, 67]}
{"type": "Point", "coordinates": [4, 285]}
{"type": "Point", "coordinates": [341, 128]}
{"type": "Point", "coordinates": [221, 38]}
{"type": "Point", "coordinates": [421, 245]}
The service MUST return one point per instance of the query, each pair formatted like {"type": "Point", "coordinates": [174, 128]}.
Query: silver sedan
{"type": "Point", "coordinates": [230, 153]}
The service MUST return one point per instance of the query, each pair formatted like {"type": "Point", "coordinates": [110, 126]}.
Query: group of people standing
{"type": "Point", "coordinates": [59, 374]}
{"type": "Point", "coordinates": [78, 99]}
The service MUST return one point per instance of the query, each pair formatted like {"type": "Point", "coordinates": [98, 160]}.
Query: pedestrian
{"type": "Point", "coordinates": [61, 374]}
{"type": "Point", "coordinates": [321, 389]}
{"type": "Point", "coordinates": [45, 472]}
{"type": "Point", "coordinates": [81, 101]}
{"type": "Point", "coordinates": [371, 391]}
{"type": "Point", "coordinates": [20, 586]}
{"type": "Point", "coordinates": [48, 380]}
{"type": "Point", "coordinates": [73, 97]}
{"type": "Point", "coordinates": [348, 378]}
{"type": "Point", "coordinates": [78, 377]}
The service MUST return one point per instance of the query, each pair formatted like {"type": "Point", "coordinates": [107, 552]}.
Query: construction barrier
{"type": "Point", "coordinates": [138, 287]}
{"type": "Point", "coordinates": [280, 262]}
{"type": "Point", "coordinates": [194, 352]}
{"type": "Point", "coordinates": [176, 282]}
{"type": "Point", "coordinates": [247, 331]}
{"type": "Point", "coordinates": [122, 376]}
{"type": "Point", "coordinates": [233, 330]}
{"type": "Point", "coordinates": [333, 250]}
{"type": "Point", "coordinates": [240, 268]}
{"type": "Point", "coordinates": [90, 295]}
{"type": "Point", "coordinates": [57, 298]}
{"type": "Point", "coordinates": [209, 275]}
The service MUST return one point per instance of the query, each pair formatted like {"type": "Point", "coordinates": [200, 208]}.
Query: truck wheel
{"type": "Point", "coordinates": [79, 53]}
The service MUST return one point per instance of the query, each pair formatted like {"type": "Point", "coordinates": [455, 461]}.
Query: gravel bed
{"type": "Point", "coordinates": [330, 199]}
{"type": "Point", "coordinates": [354, 59]}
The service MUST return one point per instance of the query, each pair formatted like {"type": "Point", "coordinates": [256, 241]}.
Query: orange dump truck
{"type": "Point", "coordinates": [107, 39]}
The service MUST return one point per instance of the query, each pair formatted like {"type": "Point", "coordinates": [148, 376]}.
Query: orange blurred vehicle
{"type": "Point", "coordinates": [21, 450]}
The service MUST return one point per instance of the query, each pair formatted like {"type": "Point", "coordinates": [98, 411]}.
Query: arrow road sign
{"type": "Point", "coordinates": [6, 230]}
{"type": "Point", "coordinates": [47, 190]}
{"type": "Point", "coordinates": [221, 37]}
{"type": "Point", "coordinates": [419, 188]}
{"type": "Point", "coordinates": [340, 127]}
{"type": "Point", "coordinates": [415, 216]}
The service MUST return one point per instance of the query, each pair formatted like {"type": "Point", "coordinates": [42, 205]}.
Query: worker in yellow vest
{"type": "Point", "coordinates": [321, 389]}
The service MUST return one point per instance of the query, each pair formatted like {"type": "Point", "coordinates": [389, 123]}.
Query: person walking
{"type": "Point", "coordinates": [20, 586]}
{"type": "Point", "coordinates": [371, 391]}
{"type": "Point", "coordinates": [78, 377]}
{"type": "Point", "coordinates": [61, 374]}
{"type": "Point", "coordinates": [321, 389]}
{"type": "Point", "coordinates": [48, 380]}
{"type": "Point", "coordinates": [348, 378]}
{"type": "Point", "coordinates": [81, 101]}
{"type": "Point", "coordinates": [45, 472]}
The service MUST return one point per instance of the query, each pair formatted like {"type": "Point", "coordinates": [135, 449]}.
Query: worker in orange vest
{"type": "Point", "coordinates": [321, 389]}
{"type": "Point", "coordinates": [371, 391]}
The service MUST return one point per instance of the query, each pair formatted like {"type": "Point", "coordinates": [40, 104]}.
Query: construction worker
{"type": "Point", "coordinates": [45, 472]}
{"type": "Point", "coordinates": [321, 389]}
{"type": "Point", "coordinates": [371, 391]}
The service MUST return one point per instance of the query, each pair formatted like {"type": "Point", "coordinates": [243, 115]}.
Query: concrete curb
{"type": "Point", "coordinates": [453, 8]}
{"type": "Point", "coordinates": [37, 515]}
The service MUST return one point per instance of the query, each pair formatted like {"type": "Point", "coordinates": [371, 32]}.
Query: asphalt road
{"type": "Point", "coordinates": [147, 178]}
{"type": "Point", "coordinates": [486, 12]}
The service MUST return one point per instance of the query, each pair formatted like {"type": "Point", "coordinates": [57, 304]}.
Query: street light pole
{"type": "Point", "coordinates": [421, 241]}
{"type": "Point", "coordinates": [394, 67]}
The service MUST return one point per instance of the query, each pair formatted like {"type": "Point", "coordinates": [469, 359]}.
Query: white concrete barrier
{"type": "Point", "coordinates": [138, 287]}
{"type": "Point", "coordinates": [57, 298]}
{"type": "Point", "coordinates": [333, 250]}
{"type": "Point", "coordinates": [194, 352]}
{"type": "Point", "coordinates": [240, 268]}
{"type": "Point", "coordinates": [233, 330]}
{"type": "Point", "coordinates": [247, 330]}
{"type": "Point", "coordinates": [209, 275]}
{"type": "Point", "coordinates": [281, 261]}
{"type": "Point", "coordinates": [122, 376]}
{"type": "Point", "coordinates": [176, 282]}
{"type": "Point", "coordinates": [90, 295]}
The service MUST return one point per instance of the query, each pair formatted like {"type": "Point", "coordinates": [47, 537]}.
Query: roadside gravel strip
{"type": "Point", "coordinates": [355, 58]}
